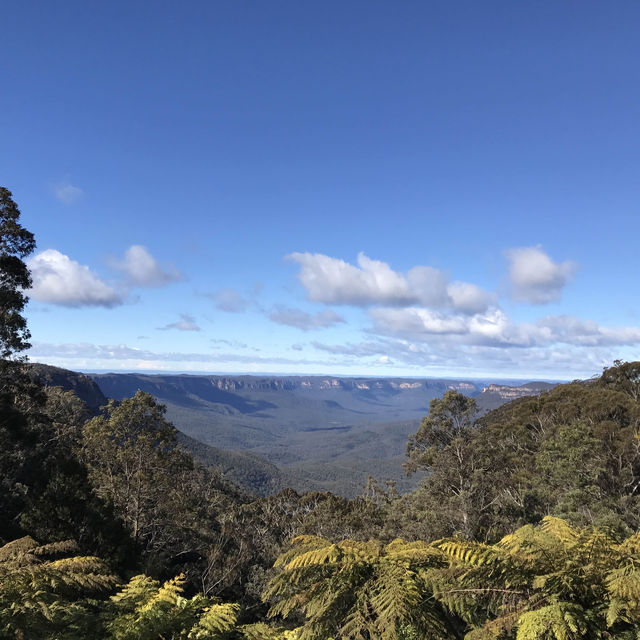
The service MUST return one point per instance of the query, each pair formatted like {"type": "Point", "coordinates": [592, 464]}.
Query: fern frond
{"type": "Point", "coordinates": [262, 631]}
{"type": "Point", "coordinates": [623, 587]}
{"type": "Point", "coordinates": [137, 591]}
{"type": "Point", "coordinates": [18, 546]}
{"type": "Point", "coordinates": [167, 594]}
{"type": "Point", "coordinates": [286, 606]}
{"type": "Point", "coordinates": [559, 529]}
{"type": "Point", "coordinates": [64, 547]}
{"type": "Point", "coordinates": [473, 553]}
{"type": "Point", "coordinates": [630, 547]}
{"type": "Point", "coordinates": [315, 557]}
{"type": "Point", "coordinates": [300, 545]}
{"type": "Point", "coordinates": [396, 596]}
{"type": "Point", "coordinates": [559, 621]}
{"type": "Point", "coordinates": [419, 552]}
{"type": "Point", "coordinates": [215, 620]}
{"type": "Point", "coordinates": [361, 551]}
{"type": "Point", "coordinates": [495, 629]}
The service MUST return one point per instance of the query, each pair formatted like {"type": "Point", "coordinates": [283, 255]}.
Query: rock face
{"type": "Point", "coordinates": [83, 386]}
{"type": "Point", "coordinates": [511, 393]}
{"type": "Point", "coordinates": [322, 432]}
{"type": "Point", "coordinates": [495, 395]}
{"type": "Point", "coordinates": [306, 432]}
{"type": "Point", "coordinates": [295, 383]}
{"type": "Point", "coordinates": [251, 473]}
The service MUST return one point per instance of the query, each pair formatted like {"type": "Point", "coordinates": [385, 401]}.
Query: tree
{"type": "Point", "coordinates": [169, 504]}
{"type": "Point", "coordinates": [15, 244]}
{"type": "Point", "coordinates": [455, 488]}
{"type": "Point", "coordinates": [132, 457]}
{"type": "Point", "coordinates": [623, 376]}
{"type": "Point", "coordinates": [572, 452]}
{"type": "Point", "coordinates": [47, 593]}
{"type": "Point", "coordinates": [43, 486]}
{"type": "Point", "coordinates": [361, 590]}
{"type": "Point", "coordinates": [550, 582]}
{"type": "Point", "coordinates": [19, 436]}
{"type": "Point", "coordinates": [144, 610]}
{"type": "Point", "coordinates": [450, 417]}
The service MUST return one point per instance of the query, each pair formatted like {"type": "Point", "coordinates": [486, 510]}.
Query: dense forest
{"type": "Point", "coordinates": [525, 526]}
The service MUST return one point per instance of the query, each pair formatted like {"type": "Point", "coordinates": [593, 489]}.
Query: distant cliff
{"type": "Point", "coordinates": [496, 395]}
{"type": "Point", "coordinates": [252, 473]}
{"type": "Point", "coordinates": [321, 432]}
{"type": "Point", "coordinates": [83, 386]}
{"type": "Point", "coordinates": [118, 382]}
{"type": "Point", "coordinates": [306, 432]}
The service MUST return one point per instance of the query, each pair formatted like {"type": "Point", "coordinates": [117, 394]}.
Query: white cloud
{"type": "Point", "coordinates": [360, 350]}
{"type": "Point", "coordinates": [143, 270]}
{"type": "Point", "coordinates": [235, 344]}
{"type": "Point", "coordinates": [186, 323]}
{"type": "Point", "coordinates": [428, 286]}
{"type": "Point", "coordinates": [334, 281]}
{"type": "Point", "coordinates": [230, 300]}
{"type": "Point", "coordinates": [494, 328]}
{"type": "Point", "coordinates": [572, 330]}
{"type": "Point", "coordinates": [374, 283]}
{"type": "Point", "coordinates": [91, 355]}
{"type": "Point", "coordinates": [58, 279]}
{"type": "Point", "coordinates": [439, 356]}
{"type": "Point", "coordinates": [469, 298]}
{"type": "Point", "coordinates": [303, 320]}
{"type": "Point", "coordinates": [67, 193]}
{"type": "Point", "coordinates": [417, 320]}
{"type": "Point", "coordinates": [535, 277]}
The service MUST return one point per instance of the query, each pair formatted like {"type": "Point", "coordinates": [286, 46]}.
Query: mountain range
{"type": "Point", "coordinates": [305, 432]}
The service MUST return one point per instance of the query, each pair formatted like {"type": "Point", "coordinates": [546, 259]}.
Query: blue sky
{"type": "Point", "coordinates": [417, 188]}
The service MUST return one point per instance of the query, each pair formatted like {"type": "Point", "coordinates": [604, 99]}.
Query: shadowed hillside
{"type": "Point", "coordinates": [308, 433]}
{"type": "Point", "coordinates": [321, 432]}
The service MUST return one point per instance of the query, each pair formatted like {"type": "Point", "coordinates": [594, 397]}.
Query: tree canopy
{"type": "Point", "coordinates": [16, 243]}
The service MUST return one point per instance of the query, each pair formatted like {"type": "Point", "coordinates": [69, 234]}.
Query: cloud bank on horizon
{"type": "Point", "coordinates": [418, 321]}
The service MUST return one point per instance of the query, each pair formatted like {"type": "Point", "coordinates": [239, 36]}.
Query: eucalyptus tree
{"type": "Point", "coordinates": [18, 437]}
{"type": "Point", "coordinates": [16, 243]}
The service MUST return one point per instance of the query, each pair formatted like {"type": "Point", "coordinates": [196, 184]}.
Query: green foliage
{"type": "Point", "coordinates": [571, 452]}
{"type": "Point", "coordinates": [146, 610]}
{"type": "Point", "coordinates": [169, 505]}
{"type": "Point", "coordinates": [450, 419]}
{"type": "Point", "coordinates": [252, 536]}
{"type": "Point", "coordinates": [359, 590]}
{"type": "Point", "coordinates": [545, 582]}
{"type": "Point", "coordinates": [131, 455]}
{"type": "Point", "coordinates": [16, 243]}
{"type": "Point", "coordinates": [46, 593]}
{"type": "Point", "coordinates": [262, 631]}
{"type": "Point", "coordinates": [43, 486]}
{"type": "Point", "coordinates": [622, 376]}
{"type": "Point", "coordinates": [20, 437]}
{"type": "Point", "coordinates": [548, 582]}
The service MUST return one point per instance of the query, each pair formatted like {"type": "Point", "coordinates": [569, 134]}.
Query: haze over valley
{"type": "Point", "coordinates": [307, 432]}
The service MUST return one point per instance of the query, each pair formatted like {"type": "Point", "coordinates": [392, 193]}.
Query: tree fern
{"type": "Point", "coordinates": [550, 582]}
{"type": "Point", "coordinates": [359, 590]}
{"type": "Point", "coordinates": [145, 610]}
{"type": "Point", "coordinates": [559, 621]}
{"type": "Point", "coordinates": [262, 631]}
{"type": "Point", "coordinates": [43, 595]}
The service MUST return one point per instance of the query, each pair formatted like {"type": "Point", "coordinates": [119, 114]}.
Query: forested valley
{"type": "Point", "coordinates": [525, 527]}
